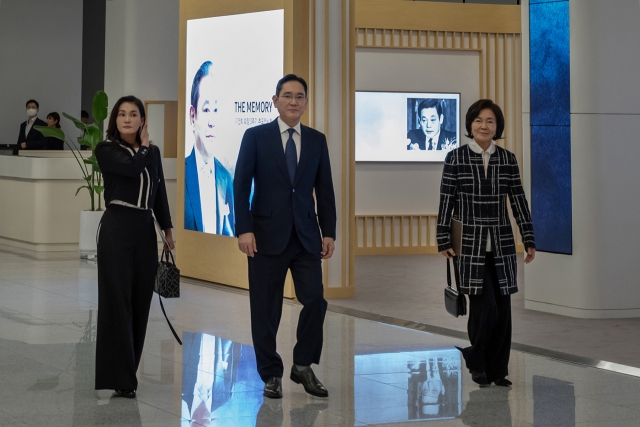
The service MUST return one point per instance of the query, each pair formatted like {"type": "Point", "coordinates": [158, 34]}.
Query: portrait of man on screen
{"type": "Point", "coordinates": [208, 195]}
{"type": "Point", "coordinates": [429, 132]}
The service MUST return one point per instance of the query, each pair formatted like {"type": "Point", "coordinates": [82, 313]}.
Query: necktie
{"type": "Point", "coordinates": [291, 155]}
{"type": "Point", "coordinates": [430, 147]}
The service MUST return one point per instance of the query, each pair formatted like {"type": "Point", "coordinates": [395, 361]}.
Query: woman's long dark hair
{"type": "Point", "coordinates": [112, 130]}
{"type": "Point", "coordinates": [55, 116]}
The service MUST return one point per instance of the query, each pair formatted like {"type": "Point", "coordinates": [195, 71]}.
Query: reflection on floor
{"type": "Point", "coordinates": [410, 287]}
{"type": "Point", "coordinates": [376, 374]}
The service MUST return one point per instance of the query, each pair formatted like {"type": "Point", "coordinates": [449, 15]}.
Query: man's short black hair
{"type": "Point", "coordinates": [84, 114]}
{"type": "Point", "coordinates": [32, 101]}
{"type": "Point", "coordinates": [290, 78]}
{"type": "Point", "coordinates": [203, 71]}
{"type": "Point", "coordinates": [474, 112]}
{"type": "Point", "coordinates": [430, 103]}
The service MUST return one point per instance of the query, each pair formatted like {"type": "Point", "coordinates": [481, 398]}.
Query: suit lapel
{"type": "Point", "coordinates": [305, 152]}
{"type": "Point", "coordinates": [275, 144]}
{"type": "Point", "coordinates": [194, 188]}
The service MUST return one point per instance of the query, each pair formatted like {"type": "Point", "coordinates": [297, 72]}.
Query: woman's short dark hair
{"type": "Point", "coordinates": [55, 116]}
{"type": "Point", "coordinates": [84, 114]}
{"type": "Point", "coordinates": [112, 131]}
{"type": "Point", "coordinates": [474, 112]}
{"type": "Point", "coordinates": [291, 78]}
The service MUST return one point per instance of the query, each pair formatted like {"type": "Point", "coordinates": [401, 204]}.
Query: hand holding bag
{"type": "Point", "coordinates": [167, 282]}
{"type": "Point", "coordinates": [454, 302]}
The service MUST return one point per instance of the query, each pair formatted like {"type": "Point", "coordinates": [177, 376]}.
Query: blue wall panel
{"type": "Point", "coordinates": [551, 194]}
{"type": "Point", "coordinates": [550, 125]}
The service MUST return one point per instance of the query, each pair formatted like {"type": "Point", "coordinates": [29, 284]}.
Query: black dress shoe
{"type": "Point", "coordinates": [309, 381]}
{"type": "Point", "coordinates": [129, 394]}
{"type": "Point", "coordinates": [503, 382]}
{"type": "Point", "coordinates": [273, 388]}
{"type": "Point", "coordinates": [480, 378]}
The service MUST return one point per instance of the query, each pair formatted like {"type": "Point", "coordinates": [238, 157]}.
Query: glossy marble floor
{"type": "Point", "coordinates": [376, 374]}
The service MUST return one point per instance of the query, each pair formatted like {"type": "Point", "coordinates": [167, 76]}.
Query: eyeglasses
{"type": "Point", "coordinates": [287, 97]}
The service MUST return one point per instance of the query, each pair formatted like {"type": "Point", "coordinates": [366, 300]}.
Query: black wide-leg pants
{"type": "Point", "coordinates": [127, 263]}
{"type": "Point", "coordinates": [267, 274]}
{"type": "Point", "coordinates": [489, 327]}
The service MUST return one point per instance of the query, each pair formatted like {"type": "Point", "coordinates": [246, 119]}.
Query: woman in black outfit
{"type": "Point", "coordinates": [476, 180]}
{"type": "Point", "coordinates": [53, 121]}
{"type": "Point", "coordinates": [134, 190]}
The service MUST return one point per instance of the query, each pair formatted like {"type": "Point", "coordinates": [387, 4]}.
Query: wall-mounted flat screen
{"type": "Point", "coordinates": [232, 67]}
{"type": "Point", "coordinates": [406, 127]}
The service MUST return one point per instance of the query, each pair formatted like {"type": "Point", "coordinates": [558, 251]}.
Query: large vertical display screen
{"type": "Point", "coordinates": [232, 66]}
{"type": "Point", "coordinates": [406, 127]}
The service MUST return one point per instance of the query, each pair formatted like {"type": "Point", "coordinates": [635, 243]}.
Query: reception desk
{"type": "Point", "coordinates": [39, 209]}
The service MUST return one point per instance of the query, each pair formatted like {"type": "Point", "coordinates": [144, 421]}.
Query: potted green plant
{"type": "Point", "coordinates": [91, 136]}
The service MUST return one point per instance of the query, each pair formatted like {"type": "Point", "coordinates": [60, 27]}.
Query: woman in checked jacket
{"type": "Point", "coordinates": [134, 190]}
{"type": "Point", "coordinates": [476, 180]}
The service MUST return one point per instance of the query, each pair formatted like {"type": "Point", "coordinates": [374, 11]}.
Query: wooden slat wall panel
{"type": "Point", "coordinates": [399, 234]}
{"type": "Point", "coordinates": [396, 234]}
{"type": "Point", "coordinates": [499, 72]}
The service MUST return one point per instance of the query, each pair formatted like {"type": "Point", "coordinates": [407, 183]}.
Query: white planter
{"type": "Point", "coordinates": [89, 221]}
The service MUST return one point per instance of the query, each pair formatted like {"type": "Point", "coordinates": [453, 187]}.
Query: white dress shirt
{"type": "Point", "coordinates": [209, 197]}
{"type": "Point", "coordinates": [284, 128]}
{"type": "Point", "coordinates": [486, 155]}
{"type": "Point", "coordinates": [27, 128]}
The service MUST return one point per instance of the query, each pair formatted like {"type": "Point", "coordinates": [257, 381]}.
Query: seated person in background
{"type": "Point", "coordinates": [430, 136]}
{"type": "Point", "coordinates": [53, 121]}
{"type": "Point", "coordinates": [84, 118]}
{"type": "Point", "coordinates": [29, 138]}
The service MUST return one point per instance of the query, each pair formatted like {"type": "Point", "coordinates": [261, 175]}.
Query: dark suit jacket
{"type": "Point", "coordinates": [225, 224]}
{"type": "Point", "coordinates": [279, 204]}
{"type": "Point", "coordinates": [35, 140]}
{"type": "Point", "coordinates": [418, 137]}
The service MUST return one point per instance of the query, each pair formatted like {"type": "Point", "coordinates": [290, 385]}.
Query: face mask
{"type": "Point", "coordinates": [31, 112]}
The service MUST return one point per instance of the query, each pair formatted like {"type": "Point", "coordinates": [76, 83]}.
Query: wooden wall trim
{"type": "Point", "coordinates": [437, 16]}
{"type": "Point", "coordinates": [396, 234]}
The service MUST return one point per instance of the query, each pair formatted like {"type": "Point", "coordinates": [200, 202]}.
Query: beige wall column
{"type": "Point", "coordinates": [332, 92]}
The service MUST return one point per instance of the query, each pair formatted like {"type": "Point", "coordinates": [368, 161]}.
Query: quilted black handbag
{"type": "Point", "coordinates": [454, 302]}
{"type": "Point", "coordinates": [167, 282]}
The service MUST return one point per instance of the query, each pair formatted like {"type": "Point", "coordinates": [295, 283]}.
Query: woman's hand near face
{"type": "Point", "coordinates": [448, 253]}
{"type": "Point", "coordinates": [144, 136]}
{"type": "Point", "coordinates": [531, 254]}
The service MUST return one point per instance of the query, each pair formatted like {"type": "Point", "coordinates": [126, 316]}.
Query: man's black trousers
{"type": "Point", "coordinates": [267, 274]}
{"type": "Point", "coordinates": [127, 263]}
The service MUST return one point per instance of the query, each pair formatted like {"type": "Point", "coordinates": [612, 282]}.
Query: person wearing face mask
{"type": "Point", "coordinates": [134, 191]}
{"type": "Point", "coordinates": [29, 138]}
{"type": "Point", "coordinates": [208, 187]}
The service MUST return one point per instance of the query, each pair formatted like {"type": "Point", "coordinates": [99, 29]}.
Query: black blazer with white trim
{"type": "Point", "coordinates": [135, 178]}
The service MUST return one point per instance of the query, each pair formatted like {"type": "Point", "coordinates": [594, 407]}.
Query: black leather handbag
{"type": "Point", "coordinates": [167, 282]}
{"type": "Point", "coordinates": [454, 302]}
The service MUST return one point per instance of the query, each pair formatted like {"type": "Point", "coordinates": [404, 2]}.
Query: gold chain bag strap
{"type": "Point", "coordinates": [167, 282]}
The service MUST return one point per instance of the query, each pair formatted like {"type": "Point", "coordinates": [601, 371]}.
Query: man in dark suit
{"type": "Point", "coordinates": [431, 136]}
{"type": "Point", "coordinates": [29, 138]}
{"type": "Point", "coordinates": [281, 230]}
{"type": "Point", "coordinates": [208, 188]}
